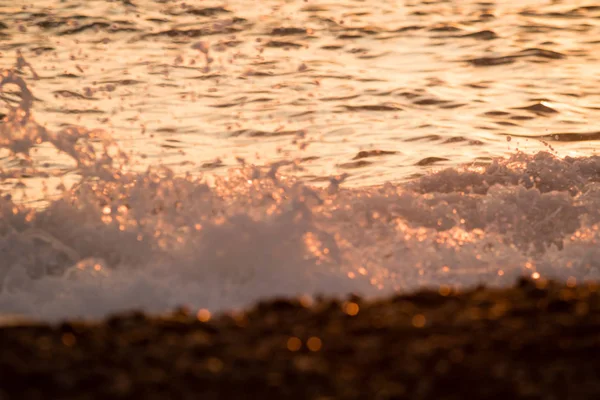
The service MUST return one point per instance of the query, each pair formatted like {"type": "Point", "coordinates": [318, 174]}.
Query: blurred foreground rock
{"type": "Point", "coordinates": [537, 340]}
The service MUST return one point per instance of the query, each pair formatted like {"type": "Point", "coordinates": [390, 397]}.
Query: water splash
{"type": "Point", "coordinates": [120, 239]}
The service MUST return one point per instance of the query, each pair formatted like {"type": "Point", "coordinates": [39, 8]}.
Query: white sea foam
{"type": "Point", "coordinates": [153, 240]}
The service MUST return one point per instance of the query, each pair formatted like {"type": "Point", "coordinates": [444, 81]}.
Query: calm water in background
{"type": "Point", "coordinates": [429, 83]}
{"type": "Point", "coordinates": [273, 105]}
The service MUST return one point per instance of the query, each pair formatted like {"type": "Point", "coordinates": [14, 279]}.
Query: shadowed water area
{"type": "Point", "coordinates": [160, 153]}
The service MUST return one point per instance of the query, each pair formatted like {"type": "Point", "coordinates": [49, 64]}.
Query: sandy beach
{"type": "Point", "coordinates": [536, 340]}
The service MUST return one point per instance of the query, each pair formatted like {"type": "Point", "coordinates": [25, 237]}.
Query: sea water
{"type": "Point", "coordinates": [210, 154]}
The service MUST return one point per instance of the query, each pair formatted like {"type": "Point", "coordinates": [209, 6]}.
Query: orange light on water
{"type": "Point", "coordinates": [203, 315]}
{"type": "Point", "coordinates": [351, 308]}
{"type": "Point", "coordinates": [444, 290]}
{"type": "Point", "coordinates": [529, 265]}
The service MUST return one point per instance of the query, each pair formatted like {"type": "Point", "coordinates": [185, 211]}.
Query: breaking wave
{"type": "Point", "coordinates": [111, 238]}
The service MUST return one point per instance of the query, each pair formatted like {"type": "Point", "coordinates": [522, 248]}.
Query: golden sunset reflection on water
{"type": "Point", "coordinates": [435, 85]}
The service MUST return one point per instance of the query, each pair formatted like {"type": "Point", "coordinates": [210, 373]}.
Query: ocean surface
{"type": "Point", "coordinates": [162, 153]}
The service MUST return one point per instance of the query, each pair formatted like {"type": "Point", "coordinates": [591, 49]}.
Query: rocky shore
{"type": "Point", "coordinates": [536, 340]}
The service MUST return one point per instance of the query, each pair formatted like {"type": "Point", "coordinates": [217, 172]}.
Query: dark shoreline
{"type": "Point", "coordinates": [536, 340]}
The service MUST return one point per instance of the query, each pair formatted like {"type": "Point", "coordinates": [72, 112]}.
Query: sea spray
{"type": "Point", "coordinates": [117, 238]}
